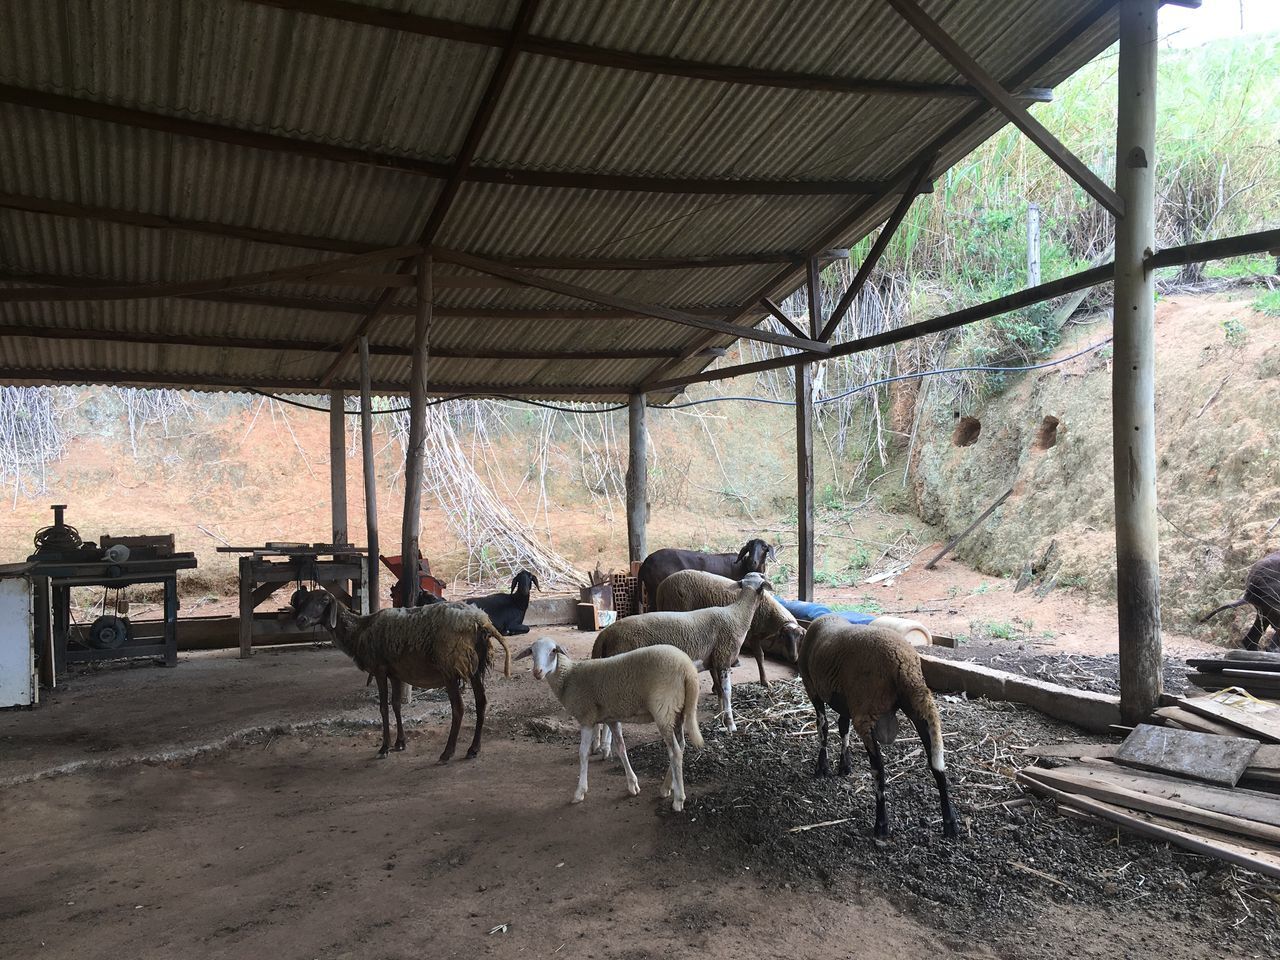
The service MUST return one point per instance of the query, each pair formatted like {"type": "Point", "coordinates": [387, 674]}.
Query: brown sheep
{"type": "Point", "coordinates": [440, 646]}
{"type": "Point", "coordinates": [1262, 590]}
{"type": "Point", "coordinates": [867, 674]}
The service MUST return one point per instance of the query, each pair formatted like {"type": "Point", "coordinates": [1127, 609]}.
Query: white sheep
{"type": "Point", "coordinates": [438, 646]}
{"type": "Point", "coordinates": [657, 684]}
{"type": "Point", "coordinates": [868, 673]}
{"type": "Point", "coordinates": [711, 637]}
{"type": "Point", "coordinates": [773, 628]}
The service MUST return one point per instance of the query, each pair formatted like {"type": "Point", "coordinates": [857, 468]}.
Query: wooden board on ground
{"type": "Point", "coordinates": [1254, 666]}
{"type": "Point", "coordinates": [1187, 753]}
{"type": "Point", "coordinates": [1262, 656]}
{"type": "Point", "coordinates": [1264, 685]}
{"type": "Point", "coordinates": [1266, 760]}
{"type": "Point", "coordinates": [1234, 802]}
{"type": "Point", "coordinates": [1070, 780]}
{"type": "Point", "coordinates": [1193, 721]}
{"type": "Point", "coordinates": [1256, 717]}
{"type": "Point", "coordinates": [1260, 859]}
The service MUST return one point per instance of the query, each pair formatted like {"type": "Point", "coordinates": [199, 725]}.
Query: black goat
{"type": "Point", "coordinates": [1262, 590]}
{"type": "Point", "coordinates": [754, 557]}
{"type": "Point", "coordinates": [507, 610]}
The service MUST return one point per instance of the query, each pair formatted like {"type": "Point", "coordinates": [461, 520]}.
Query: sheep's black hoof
{"type": "Point", "coordinates": [845, 767]}
{"type": "Point", "coordinates": [399, 745]}
{"type": "Point", "coordinates": [445, 757]}
{"type": "Point", "coordinates": [949, 829]}
{"type": "Point", "coordinates": [381, 754]}
{"type": "Point", "coordinates": [824, 768]}
{"type": "Point", "coordinates": [473, 753]}
{"type": "Point", "coordinates": [882, 831]}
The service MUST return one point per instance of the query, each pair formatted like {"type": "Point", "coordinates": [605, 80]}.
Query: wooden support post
{"type": "Point", "coordinates": [814, 282]}
{"type": "Point", "coordinates": [1133, 378]}
{"type": "Point", "coordinates": [417, 436]}
{"type": "Point", "coordinates": [637, 479]}
{"type": "Point", "coordinates": [804, 480]}
{"type": "Point", "coordinates": [338, 464]}
{"type": "Point", "coordinates": [373, 599]}
{"type": "Point", "coordinates": [1033, 245]}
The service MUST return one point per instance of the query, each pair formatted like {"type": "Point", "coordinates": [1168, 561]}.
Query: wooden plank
{"type": "Point", "coordinates": [1266, 760]}
{"type": "Point", "coordinates": [1255, 717]}
{"type": "Point", "coordinates": [1259, 666]}
{"type": "Point", "coordinates": [623, 303]}
{"type": "Point", "coordinates": [1006, 103]}
{"type": "Point", "coordinates": [338, 464]}
{"type": "Point", "coordinates": [1252, 857]}
{"type": "Point", "coordinates": [1187, 753]}
{"type": "Point", "coordinates": [968, 530]}
{"type": "Point", "coordinates": [782, 318]}
{"type": "Point", "coordinates": [415, 450]}
{"type": "Point", "coordinates": [1193, 721]}
{"type": "Point", "coordinates": [1234, 802]}
{"type": "Point", "coordinates": [1237, 246]}
{"type": "Point", "coordinates": [1162, 806]}
{"type": "Point", "coordinates": [1254, 683]}
{"type": "Point", "coordinates": [637, 480]}
{"type": "Point", "coordinates": [145, 291]}
{"type": "Point", "coordinates": [631, 60]}
{"type": "Point", "coordinates": [878, 248]}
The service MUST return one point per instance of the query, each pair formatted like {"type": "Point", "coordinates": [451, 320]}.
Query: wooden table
{"type": "Point", "coordinates": [340, 568]}
{"type": "Point", "coordinates": [53, 580]}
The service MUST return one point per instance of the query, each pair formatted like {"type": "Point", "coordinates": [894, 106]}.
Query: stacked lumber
{"type": "Point", "coordinates": [1207, 782]}
{"type": "Point", "coordinates": [1258, 673]}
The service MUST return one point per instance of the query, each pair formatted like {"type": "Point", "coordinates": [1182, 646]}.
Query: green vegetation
{"type": "Point", "coordinates": [1268, 303]}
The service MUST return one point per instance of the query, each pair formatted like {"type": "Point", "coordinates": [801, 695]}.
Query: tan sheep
{"type": "Point", "coordinates": [867, 674]}
{"type": "Point", "coordinates": [773, 628]}
{"type": "Point", "coordinates": [440, 646]}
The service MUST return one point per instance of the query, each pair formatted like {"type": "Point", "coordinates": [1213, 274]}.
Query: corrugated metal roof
{"type": "Point", "coordinates": [256, 67]}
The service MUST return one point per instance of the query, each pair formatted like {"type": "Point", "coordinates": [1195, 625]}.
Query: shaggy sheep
{"type": "Point", "coordinates": [754, 557]}
{"type": "Point", "coordinates": [773, 628]}
{"type": "Point", "coordinates": [867, 674]}
{"type": "Point", "coordinates": [657, 684]}
{"type": "Point", "coordinates": [711, 637]}
{"type": "Point", "coordinates": [507, 610]}
{"type": "Point", "coordinates": [1262, 590]}
{"type": "Point", "coordinates": [438, 646]}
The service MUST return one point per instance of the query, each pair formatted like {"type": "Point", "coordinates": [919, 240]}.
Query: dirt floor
{"type": "Point", "coordinates": [233, 808]}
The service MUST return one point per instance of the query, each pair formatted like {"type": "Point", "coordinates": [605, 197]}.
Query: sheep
{"type": "Point", "coordinates": [507, 610]}
{"type": "Point", "coordinates": [754, 557]}
{"type": "Point", "coordinates": [711, 637]}
{"type": "Point", "coordinates": [437, 646]}
{"type": "Point", "coordinates": [773, 628]}
{"type": "Point", "coordinates": [657, 684]}
{"type": "Point", "coordinates": [1262, 590]}
{"type": "Point", "coordinates": [867, 674]}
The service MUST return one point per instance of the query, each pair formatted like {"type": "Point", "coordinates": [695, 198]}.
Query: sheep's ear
{"type": "Point", "coordinates": [331, 613]}
{"type": "Point", "coordinates": [526, 652]}
{"type": "Point", "coordinates": [765, 585]}
{"type": "Point", "coordinates": [561, 650]}
{"type": "Point", "coordinates": [514, 580]}
{"type": "Point", "coordinates": [534, 578]}
{"type": "Point", "coordinates": [771, 555]}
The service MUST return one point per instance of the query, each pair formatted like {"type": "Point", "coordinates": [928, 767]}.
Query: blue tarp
{"type": "Point", "coordinates": [811, 611]}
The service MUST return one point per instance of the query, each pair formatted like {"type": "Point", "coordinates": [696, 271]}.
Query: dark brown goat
{"type": "Point", "coordinates": [1262, 590]}
{"type": "Point", "coordinates": [754, 557]}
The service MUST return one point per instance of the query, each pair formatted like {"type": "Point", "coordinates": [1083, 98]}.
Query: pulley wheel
{"type": "Point", "coordinates": [108, 632]}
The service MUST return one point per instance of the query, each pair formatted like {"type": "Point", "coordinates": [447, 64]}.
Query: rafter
{"type": "Point", "coordinates": [128, 116]}
{"type": "Point", "coordinates": [622, 303]}
{"type": "Point", "coordinates": [780, 316]}
{"type": "Point", "coordinates": [626, 59]}
{"type": "Point", "coordinates": [1002, 100]}
{"type": "Point", "coordinates": [878, 248]}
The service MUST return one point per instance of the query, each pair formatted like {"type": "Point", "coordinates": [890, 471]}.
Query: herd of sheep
{"type": "Point", "coordinates": [644, 668]}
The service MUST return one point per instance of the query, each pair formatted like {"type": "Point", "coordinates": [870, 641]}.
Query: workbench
{"type": "Point", "coordinates": [340, 568]}
{"type": "Point", "coordinates": [52, 581]}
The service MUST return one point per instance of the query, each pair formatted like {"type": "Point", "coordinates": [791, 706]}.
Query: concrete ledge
{"type": "Point", "coordinates": [1094, 712]}
{"type": "Point", "coordinates": [551, 611]}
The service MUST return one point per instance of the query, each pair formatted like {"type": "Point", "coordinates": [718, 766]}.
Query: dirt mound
{"type": "Point", "coordinates": [1049, 438]}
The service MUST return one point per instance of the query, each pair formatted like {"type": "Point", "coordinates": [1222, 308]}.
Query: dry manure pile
{"type": "Point", "coordinates": [755, 804]}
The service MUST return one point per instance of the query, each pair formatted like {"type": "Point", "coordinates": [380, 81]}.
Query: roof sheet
{"type": "Point", "coordinates": [266, 68]}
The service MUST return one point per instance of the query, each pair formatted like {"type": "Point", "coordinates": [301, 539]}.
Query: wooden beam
{"type": "Point", "coordinates": [511, 176]}
{"type": "Point", "coordinates": [814, 274]}
{"type": "Point", "coordinates": [1133, 404]}
{"type": "Point", "coordinates": [369, 464]}
{"type": "Point", "coordinates": [804, 481]}
{"type": "Point", "coordinates": [878, 248]}
{"type": "Point", "coordinates": [377, 281]}
{"type": "Point", "coordinates": [626, 59]}
{"type": "Point", "coordinates": [622, 303]}
{"type": "Point", "coordinates": [415, 451]}
{"type": "Point", "coordinates": [338, 465]}
{"type": "Point", "coordinates": [76, 211]}
{"type": "Point", "coordinates": [777, 313]}
{"type": "Point", "coordinates": [179, 288]}
{"type": "Point", "coordinates": [1006, 103]}
{"type": "Point", "coordinates": [318, 346]}
{"type": "Point", "coordinates": [1263, 241]}
{"type": "Point", "coordinates": [637, 480]}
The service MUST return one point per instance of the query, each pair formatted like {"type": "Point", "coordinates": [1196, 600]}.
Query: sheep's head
{"type": "Point", "coordinates": [790, 636]}
{"type": "Point", "coordinates": [314, 606]}
{"type": "Point", "coordinates": [545, 653]}
{"type": "Point", "coordinates": [755, 555]}
{"type": "Point", "coordinates": [521, 581]}
{"type": "Point", "coordinates": [756, 582]}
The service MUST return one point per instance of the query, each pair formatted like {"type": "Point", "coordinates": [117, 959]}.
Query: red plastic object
{"type": "Point", "coordinates": [425, 580]}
